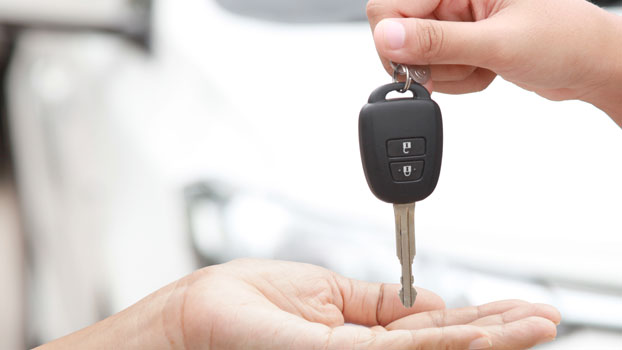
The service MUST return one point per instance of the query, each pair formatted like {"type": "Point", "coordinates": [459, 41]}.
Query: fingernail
{"type": "Point", "coordinates": [394, 34]}
{"type": "Point", "coordinates": [480, 343]}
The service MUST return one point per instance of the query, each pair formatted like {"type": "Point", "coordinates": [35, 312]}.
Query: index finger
{"type": "Point", "coordinates": [456, 10]}
{"type": "Point", "coordinates": [377, 10]}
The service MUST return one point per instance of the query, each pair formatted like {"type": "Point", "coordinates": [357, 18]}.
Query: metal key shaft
{"type": "Point", "coordinates": [405, 239]}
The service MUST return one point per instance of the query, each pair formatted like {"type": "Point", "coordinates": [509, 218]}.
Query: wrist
{"type": "Point", "coordinates": [141, 326]}
{"type": "Point", "coordinates": [607, 94]}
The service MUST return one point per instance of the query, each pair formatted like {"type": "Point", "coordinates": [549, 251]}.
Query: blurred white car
{"type": "Point", "coordinates": [237, 136]}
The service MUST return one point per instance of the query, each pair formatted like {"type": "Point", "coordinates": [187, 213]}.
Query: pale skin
{"type": "Point", "coordinates": [264, 304]}
{"type": "Point", "coordinates": [560, 49]}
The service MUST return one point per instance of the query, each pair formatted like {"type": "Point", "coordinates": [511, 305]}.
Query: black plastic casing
{"type": "Point", "coordinates": [382, 120]}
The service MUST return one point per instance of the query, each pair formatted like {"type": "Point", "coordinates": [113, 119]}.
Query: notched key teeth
{"type": "Point", "coordinates": [407, 303]}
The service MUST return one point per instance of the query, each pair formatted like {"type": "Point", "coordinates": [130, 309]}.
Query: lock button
{"type": "Point", "coordinates": [407, 171]}
{"type": "Point", "coordinates": [406, 148]}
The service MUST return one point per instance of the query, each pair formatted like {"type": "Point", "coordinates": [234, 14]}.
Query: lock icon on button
{"type": "Point", "coordinates": [408, 170]}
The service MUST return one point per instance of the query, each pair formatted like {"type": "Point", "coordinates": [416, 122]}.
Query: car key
{"type": "Point", "coordinates": [401, 142]}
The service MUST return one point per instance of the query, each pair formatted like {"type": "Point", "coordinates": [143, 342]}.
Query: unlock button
{"type": "Point", "coordinates": [406, 147]}
{"type": "Point", "coordinates": [407, 171]}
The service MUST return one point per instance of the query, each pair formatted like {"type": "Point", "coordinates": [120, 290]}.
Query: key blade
{"type": "Point", "coordinates": [405, 232]}
{"type": "Point", "coordinates": [408, 300]}
{"type": "Point", "coordinates": [405, 244]}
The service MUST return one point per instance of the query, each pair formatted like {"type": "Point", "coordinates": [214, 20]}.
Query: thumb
{"type": "Point", "coordinates": [423, 41]}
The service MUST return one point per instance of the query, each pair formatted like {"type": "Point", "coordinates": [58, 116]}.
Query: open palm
{"type": "Point", "coordinates": [261, 304]}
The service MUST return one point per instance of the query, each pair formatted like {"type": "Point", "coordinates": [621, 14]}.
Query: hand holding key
{"type": "Point", "coordinates": [263, 304]}
{"type": "Point", "coordinates": [560, 49]}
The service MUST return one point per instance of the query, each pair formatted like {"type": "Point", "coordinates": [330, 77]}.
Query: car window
{"type": "Point", "coordinates": [299, 11]}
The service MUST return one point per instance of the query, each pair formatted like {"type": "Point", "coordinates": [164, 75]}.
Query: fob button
{"type": "Point", "coordinates": [406, 147]}
{"type": "Point", "coordinates": [407, 171]}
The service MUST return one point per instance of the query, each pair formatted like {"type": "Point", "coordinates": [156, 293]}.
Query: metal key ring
{"type": "Point", "coordinates": [400, 69]}
{"type": "Point", "coordinates": [396, 68]}
{"type": "Point", "coordinates": [419, 74]}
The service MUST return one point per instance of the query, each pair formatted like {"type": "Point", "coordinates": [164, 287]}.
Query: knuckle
{"type": "Point", "coordinates": [437, 318]}
{"type": "Point", "coordinates": [500, 52]}
{"type": "Point", "coordinates": [430, 39]}
{"type": "Point", "coordinates": [500, 56]}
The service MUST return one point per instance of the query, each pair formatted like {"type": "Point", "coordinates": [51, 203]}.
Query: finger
{"type": "Point", "coordinates": [378, 10]}
{"type": "Point", "coordinates": [422, 41]}
{"type": "Point", "coordinates": [454, 337]}
{"type": "Point", "coordinates": [479, 80]}
{"type": "Point", "coordinates": [429, 85]}
{"type": "Point", "coordinates": [449, 317]}
{"type": "Point", "coordinates": [519, 313]}
{"type": "Point", "coordinates": [450, 72]}
{"type": "Point", "coordinates": [522, 334]}
{"type": "Point", "coordinates": [458, 10]}
{"type": "Point", "coordinates": [373, 304]}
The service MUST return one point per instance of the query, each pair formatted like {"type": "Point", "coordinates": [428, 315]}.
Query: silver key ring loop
{"type": "Point", "coordinates": [396, 71]}
{"type": "Point", "coordinates": [400, 69]}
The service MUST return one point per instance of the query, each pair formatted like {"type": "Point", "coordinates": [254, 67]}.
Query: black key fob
{"type": "Point", "coordinates": [401, 143]}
